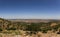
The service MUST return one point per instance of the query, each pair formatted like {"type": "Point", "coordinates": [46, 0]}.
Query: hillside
{"type": "Point", "coordinates": [33, 25]}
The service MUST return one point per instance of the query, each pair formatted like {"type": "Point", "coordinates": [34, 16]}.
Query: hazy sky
{"type": "Point", "coordinates": [30, 9]}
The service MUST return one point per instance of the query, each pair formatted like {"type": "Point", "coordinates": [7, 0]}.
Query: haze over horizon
{"type": "Point", "coordinates": [30, 9]}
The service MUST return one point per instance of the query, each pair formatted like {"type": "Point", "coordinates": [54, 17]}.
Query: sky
{"type": "Point", "coordinates": [30, 9]}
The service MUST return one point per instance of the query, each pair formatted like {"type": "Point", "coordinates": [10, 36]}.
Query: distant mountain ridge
{"type": "Point", "coordinates": [32, 20]}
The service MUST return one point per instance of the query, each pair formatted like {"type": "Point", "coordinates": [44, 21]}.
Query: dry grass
{"type": "Point", "coordinates": [16, 34]}
{"type": "Point", "coordinates": [33, 35]}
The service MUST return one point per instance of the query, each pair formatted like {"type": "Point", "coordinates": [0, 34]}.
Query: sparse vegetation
{"type": "Point", "coordinates": [31, 28]}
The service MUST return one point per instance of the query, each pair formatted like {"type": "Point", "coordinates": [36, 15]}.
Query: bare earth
{"type": "Point", "coordinates": [41, 35]}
